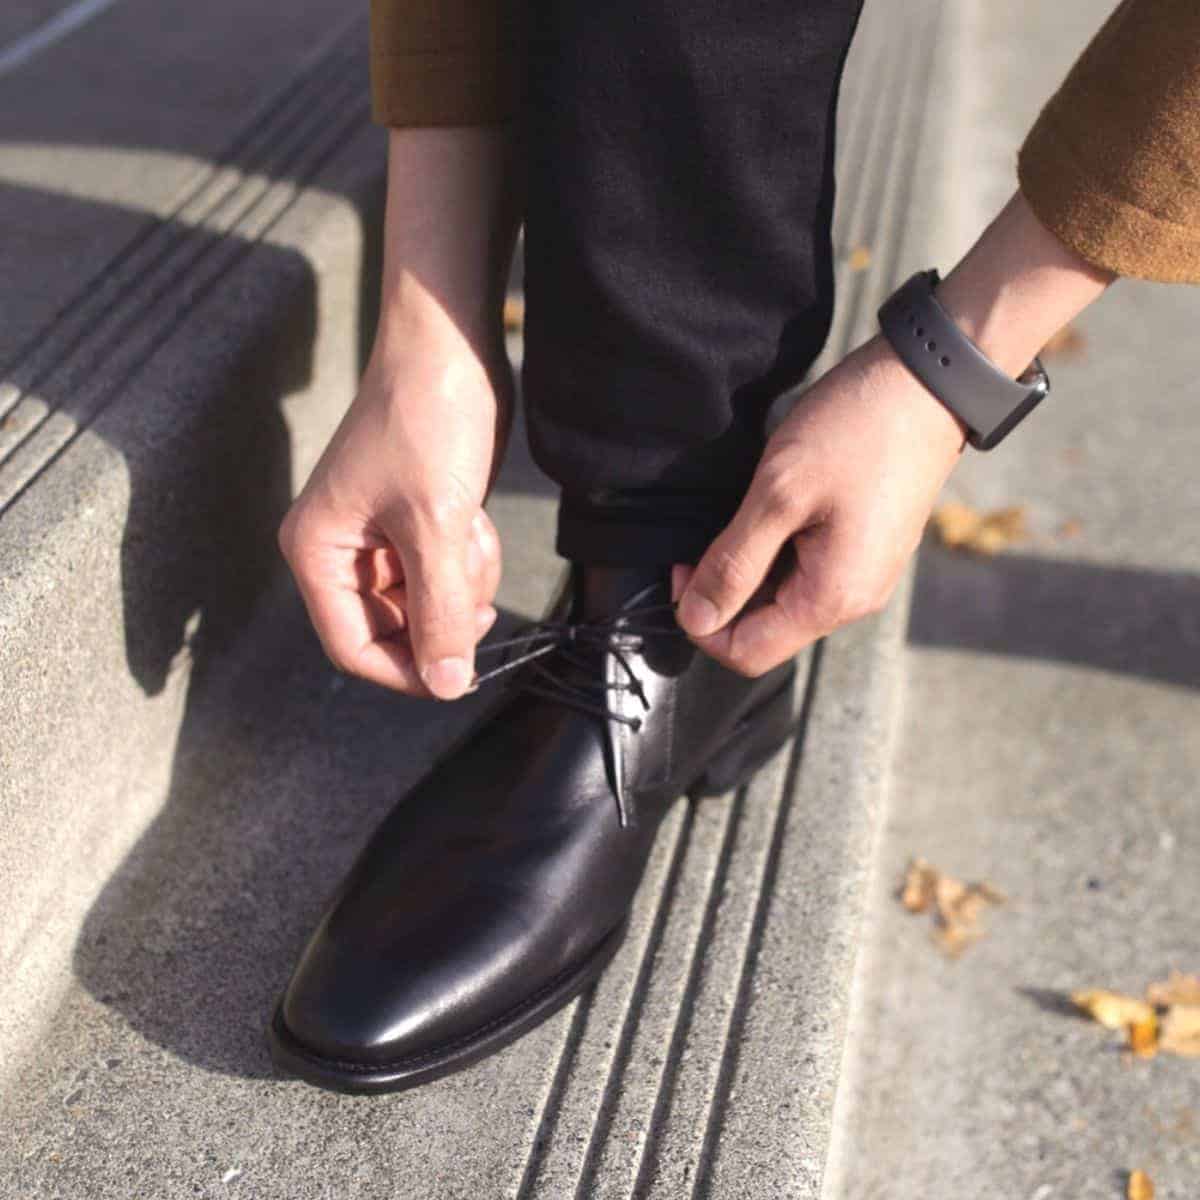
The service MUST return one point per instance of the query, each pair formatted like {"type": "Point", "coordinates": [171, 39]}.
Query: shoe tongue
{"type": "Point", "coordinates": [603, 591]}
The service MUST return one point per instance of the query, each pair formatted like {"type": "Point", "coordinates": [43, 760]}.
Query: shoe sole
{"type": "Point", "coordinates": [753, 741]}
{"type": "Point", "coordinates": [291, 1055]}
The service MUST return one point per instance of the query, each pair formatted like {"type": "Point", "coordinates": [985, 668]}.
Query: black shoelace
{"type": "Point", "coordinates": [551, 649]}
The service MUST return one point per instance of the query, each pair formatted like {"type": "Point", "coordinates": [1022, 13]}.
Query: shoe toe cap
{"type": "Point", "coordinates": [361, 1006]}
{"type": "Point", "coordinates": [358, 1009]}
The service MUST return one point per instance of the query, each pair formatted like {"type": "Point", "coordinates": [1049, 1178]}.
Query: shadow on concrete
{"type": "Point", "coordinates": [282, 767]}
{"type": "Point", "coordinates": [1057, 1004]}
{"type": "Point", "coordinates": [1130, 621]}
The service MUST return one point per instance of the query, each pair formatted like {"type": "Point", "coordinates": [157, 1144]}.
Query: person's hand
{"type": "Point", "coordinates": [848, 479]}
{"type": "Point", "coordinates": [394, 555]}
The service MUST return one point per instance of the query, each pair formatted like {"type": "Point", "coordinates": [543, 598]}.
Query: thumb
{"type": "Point", "coordinates": [732, 568]}
{"type": "Point", "coordinates": [441, 607]}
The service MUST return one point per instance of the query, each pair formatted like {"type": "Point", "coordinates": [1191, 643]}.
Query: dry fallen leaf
{"type": "Point", "coordinates": [961, 903]}
{"type": "Point", "coordinates": [1178, 988]}
{"type": "Point", "coordinates": [952, 940]}
{"type": "Point", "coordinates": [991, 893]}
{"type": "Point", "coordinates": [1068, 342]}
{"type": "Point", "coordinates": [1143, 1037]}
{"type": "Point", "coordinates": [1111, 1009]}
{"type": "Point", "coordinates": [1140, 1187]}
{"type": "Point", "coordinates": [1167, 1021]}
{"type": "Point", "coordinates": [514, 313]}
{"type": "Point", "coordinates": [948, 894]}
{"type": "Point", "coordinates": [919, 887]}
{"type": "Point", "coordinates": [860, 258]}
{"type": "Point", "coordinates": [955, 906]}
{"type": "Point", "coordinates": [1180, 1032]}
{"type": "Point", "coordinates": [962, 527]}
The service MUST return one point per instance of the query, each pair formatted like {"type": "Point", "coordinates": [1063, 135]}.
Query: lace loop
{"type": "Point", "coordinates": [565, 641]}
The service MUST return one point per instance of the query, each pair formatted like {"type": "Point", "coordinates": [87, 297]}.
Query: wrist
{"type": "Point", "coordinates": [890, 378]}
{"type": "Point", "coordinates": [1017, 286]}
{"type": "Point", "coordinates": [449, 229]}
{"type": "Point", "coordinates": [414, 319]}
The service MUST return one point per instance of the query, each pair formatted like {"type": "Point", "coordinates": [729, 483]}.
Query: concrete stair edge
{"type": "Point", "coordinates": [149, 521]}
{"type": "Point", "coordinates": [939, 223]}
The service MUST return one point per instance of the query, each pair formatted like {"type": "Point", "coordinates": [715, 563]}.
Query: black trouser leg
{"type": "Point", "coordinates": [678, 264]}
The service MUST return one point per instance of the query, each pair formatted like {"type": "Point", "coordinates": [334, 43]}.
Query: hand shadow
{"type": "Point", "coordinates": [282, 769]}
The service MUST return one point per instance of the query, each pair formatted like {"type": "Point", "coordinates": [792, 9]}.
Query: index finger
{"type": "Point", "coordinates": [362, 637]}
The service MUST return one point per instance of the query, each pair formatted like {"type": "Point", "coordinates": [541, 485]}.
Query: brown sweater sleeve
{"type": "Point", "coordinates": [445, 62]}
{"type": "Point", "coordinates": [1112, 164]}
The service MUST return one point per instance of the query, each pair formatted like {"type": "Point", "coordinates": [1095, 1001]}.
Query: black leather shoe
{"type": "Point", "coordinates": [500, 887]}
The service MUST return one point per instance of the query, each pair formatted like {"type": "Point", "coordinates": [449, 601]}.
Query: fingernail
{"type": "Point", "coordinates": [698, 615]}
{"type": "Point", "coordinates": [448, 678]}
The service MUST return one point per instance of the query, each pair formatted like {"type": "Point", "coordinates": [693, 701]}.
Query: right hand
{"type": "Point", "coordinates": [394, 555]}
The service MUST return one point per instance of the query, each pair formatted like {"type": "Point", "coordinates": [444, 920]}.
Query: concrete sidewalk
{"type": "Point", "coordinates": [1048, 744]}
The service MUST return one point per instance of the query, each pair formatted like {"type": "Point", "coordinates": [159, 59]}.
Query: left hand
{"type": "Point", "coordinates": [849, 479]}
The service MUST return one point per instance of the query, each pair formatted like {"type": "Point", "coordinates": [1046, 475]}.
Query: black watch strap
{"type": "Point", "coordinates": [953, 368]}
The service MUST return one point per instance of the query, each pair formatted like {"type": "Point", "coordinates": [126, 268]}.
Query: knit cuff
{"type": "Point", "coordinates": [446, 62]}
{"type": "Point", "coordinates": [1071, 197]}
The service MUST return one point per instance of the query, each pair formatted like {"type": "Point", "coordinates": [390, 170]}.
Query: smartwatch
{"type": "Point", "coordinates": [989, 402]}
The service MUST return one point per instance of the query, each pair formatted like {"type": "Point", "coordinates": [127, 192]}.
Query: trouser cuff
{"type": "Point", "coordinates": [641, 529]}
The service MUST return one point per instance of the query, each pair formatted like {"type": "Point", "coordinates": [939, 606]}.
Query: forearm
{"type": "Point", "coordinates": [453, 209]}
{"type": "Point", "coordinates": [1012, 291]}
{"type": "Point", "coordinates": [1017, 286]}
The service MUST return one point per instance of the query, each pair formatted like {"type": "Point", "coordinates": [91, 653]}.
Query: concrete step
{"type": "Point", "coordinates": [181, 321]}
{"type": "Point", "coordinates": [191, 778]}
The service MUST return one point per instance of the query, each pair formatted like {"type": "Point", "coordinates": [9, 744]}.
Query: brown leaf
{"type": "Point", "coordinates": [1111, 1009]}
{"type": "Point", "coordinates": [948, 894]}
{"type": "Point", "coordinates": [1178, 988]}
{"type": "Point", "coordinates": [954, 905]}
{"type": "Point", "coordinates": [989, 891]}
{"type": "Point", "coordinates": [860, 258]}
{"type": "Point", "coordinates": [962, 527]}
{"type": "Point", "coordinates": [1143, 1036]}
{"type": "Point", "coordinates": [1181, 1031]}
{"type": "Point", "coordinates": [1068, 342]}
{"type": "Point", "coordinates": [1140, 1186]}
{"type": "Point", "coordinates": [956, 523]}
{"type": "Point", "coordinates": [961, 903]}
{"type": "Point", "coordinates": [919, 886]}
{"type": "Point", "coordinates": [952, 940]}
{"type": "Point", "coordinates": [514, 313]}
